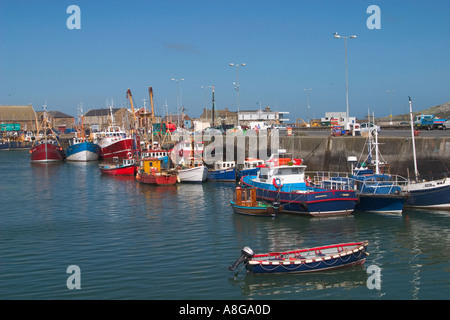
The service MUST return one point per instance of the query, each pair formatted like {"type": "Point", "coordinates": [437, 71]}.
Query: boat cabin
{"type": "Point", "coordinates": [150, 165]}
{"type": "Point", "coordinates": [287, 174]}
{"type": "Point", "coordinates": [281, 159]}
{"type": "Point", "coordinates": [154, 153]}
{"type": "Point", "coordinates": [246, 197]}
{"type": "Point", "coordinates": [223, 165]}
{"type": "Point", "coordinates": [250, 163]}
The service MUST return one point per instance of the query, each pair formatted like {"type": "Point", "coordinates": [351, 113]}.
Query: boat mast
{"type": "Point", "coordinates": [377, 160]}
{"type": "Point", "coordinates": [111, 112]}
{"type": "Point", "coordinates": [213, 111]}
{"type": "Point", "coordinates": [416, 172]}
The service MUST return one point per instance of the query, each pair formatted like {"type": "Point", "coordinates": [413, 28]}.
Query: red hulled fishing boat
{"type": "Point", "coordinates": [46, 146]}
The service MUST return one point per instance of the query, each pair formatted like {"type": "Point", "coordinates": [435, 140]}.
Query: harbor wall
{"type": "Point", "coordinates": [331, 153]}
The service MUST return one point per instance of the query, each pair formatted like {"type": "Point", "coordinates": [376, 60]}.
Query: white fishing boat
{"type": "Point", "coordinates": [432, 193]}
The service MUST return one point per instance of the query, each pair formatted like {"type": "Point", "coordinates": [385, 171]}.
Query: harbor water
{"type": "Point", "coordinates": [135, 241]}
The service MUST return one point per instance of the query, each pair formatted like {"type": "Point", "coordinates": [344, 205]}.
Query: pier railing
{"type": "Point", "coordinates": [345, 181]}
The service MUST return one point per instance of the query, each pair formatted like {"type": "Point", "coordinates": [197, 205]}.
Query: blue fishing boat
{"type": "Point", "coordinates": [250, 167]}
{"type": "Point", "coordinates": [303, 260]}
{"type": "Point", "coordinates": [377, 190]}
{"type": "Point", "coordinates": [379, 193]}
{"type": "Point", "coordinates": [222, 171]}
{"type": "Point", "coordinates": [81, 149]}
{"type": "Point", "coordinates": [285, 182]}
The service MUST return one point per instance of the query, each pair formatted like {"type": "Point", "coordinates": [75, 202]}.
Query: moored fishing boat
{"type": "Point", "coordinates": [185, 150]}
{"type": "Point", "coordinates": [222, 171]}
{"type": "Point", "coordinates": [193, 171]}
{"type": "Point", "coordinates": [46, 146]}
{"type": "Point", "coordinates": [156, 152]}
{"type": "Point", "coordinates": [286, 183]}
{"type": "Point", "coordinates": [150, 172]}
{"type": "Point", "coordinates": [115, 142]}
{"type": "Point", "coordinates": [304, 260]}
{"type": "Point", "coordinates": [377, 190]}
{"type": "Point", "coordinates": [81, 149]}
{"type": "Point", "coordinates": [128, 167]}
{"type": "Point", "coordinates": [426, 193]}
{"type": "Point", "coordinates": [245, 203]}
{"type": "Point", "coordinates": [249, 167]}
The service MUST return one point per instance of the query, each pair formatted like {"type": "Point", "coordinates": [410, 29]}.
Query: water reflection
{"type": "Point", "coordinates": [295, 286]}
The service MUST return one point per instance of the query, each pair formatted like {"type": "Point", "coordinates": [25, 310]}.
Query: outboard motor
{"type": "Point", "coordinates": [246, 255]}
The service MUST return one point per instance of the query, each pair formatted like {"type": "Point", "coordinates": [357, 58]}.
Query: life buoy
{"type": "Point", "coordinates": [277, 183]}
{"type": "Point", "coordinates": [129, 155]}
{"type": "Point", "coordinates": [180, 153]}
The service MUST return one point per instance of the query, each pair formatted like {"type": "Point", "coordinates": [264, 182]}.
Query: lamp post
{"type": "Point", "coordinates": [307, 91]}
{"type": "Point", "coordinates": [206, 103]}
{"type": "Point", "coordinates": [390, 102]}
{"type": "Point", "coordinates": [337, 36]}
{"type": "Point", "coordinates": [178, 98]}
{"type": "Point", "coordinates": [237, 65]}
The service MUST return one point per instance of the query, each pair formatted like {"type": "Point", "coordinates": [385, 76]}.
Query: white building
{"type": "Point", "coordinates": [260, 115]}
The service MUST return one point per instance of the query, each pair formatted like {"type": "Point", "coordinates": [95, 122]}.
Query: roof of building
{"type": "Point", "coordinates": [100, 112]}
{"type": "Point", "coordinates": [59, 114]}
{"type": "Point", "coordinates": [17, 113]}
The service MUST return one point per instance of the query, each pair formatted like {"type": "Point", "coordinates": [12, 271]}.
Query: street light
{"type": "Point", "coordinates": [337, 36]}
{"type": "Point", "coordinates": [237, 65]}
{"type": "Point", "coordinates": [178, 98]}
{"type": "Point", "coordinates": [307, 103]}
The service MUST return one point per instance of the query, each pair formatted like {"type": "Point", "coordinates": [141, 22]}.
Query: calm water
{"type": "Point", "coordinates": [134, 241]}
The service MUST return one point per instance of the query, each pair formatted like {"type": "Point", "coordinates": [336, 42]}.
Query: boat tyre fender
{"type": "Point", "coordinates": [277, 183]}
{"type": "Point", "coordinates": [304, 206]}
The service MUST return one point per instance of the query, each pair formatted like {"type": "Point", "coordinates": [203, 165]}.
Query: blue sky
{"type": "Point", "coordinates": [287, 46]}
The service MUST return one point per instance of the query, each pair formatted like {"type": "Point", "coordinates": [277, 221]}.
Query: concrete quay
{"type": "Point", "coordinates": [326, 153]}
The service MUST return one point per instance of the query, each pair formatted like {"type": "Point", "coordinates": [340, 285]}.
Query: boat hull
{"type": "Point", "coordinates": [246, 172]}
{"type": "Point", "coordinates": [259, 211]}
{"type": "Point", "coordinates": [345, 255]}
{"type": "Point", "coordinates": [222, 175]}
{"type": "Point", "coordinates": [310, 202]}
{"type": "Point", "coordinates": [430, 194]}
{"type": "Point", "coordinates": [158, 178]}
{"type": "Point", "coordinates": [46, 152]}
{"type": "Point", "coordinates": [118, 170]}
{"type": "Point", "coordinates": [84, 151]}
{"type": "Point", "coordinates": [15, 145]}
{"type": "Point", "coordinates": [193, 175]}
{"type": "Point", "coordinates": [379, 203]}
{"type": "Point", "coordinates": [121, 149]}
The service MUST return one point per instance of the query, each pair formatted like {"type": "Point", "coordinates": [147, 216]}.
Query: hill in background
{"type": "Point", "coordinates": [440, 111]}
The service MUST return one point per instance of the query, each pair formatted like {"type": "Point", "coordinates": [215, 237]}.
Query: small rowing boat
{"type": "Point", "coordinates": [245, 203]}
{"type": "Point", "coordinates": [304, 260]}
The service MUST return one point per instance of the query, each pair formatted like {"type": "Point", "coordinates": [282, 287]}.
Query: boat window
{"type": "Point", "coordinates": [264, 173]}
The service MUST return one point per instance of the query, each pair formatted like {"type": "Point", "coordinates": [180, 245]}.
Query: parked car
{"type": "Point", "coordinates": [446, 125]}
{"type": "Point", "coordinates": [366, 127]}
